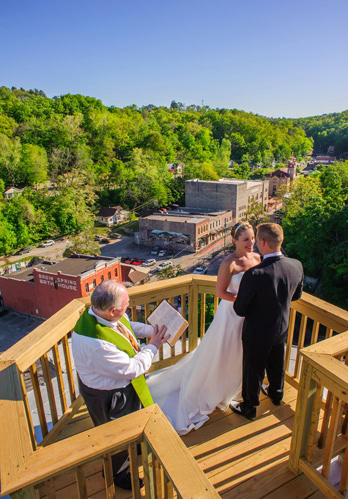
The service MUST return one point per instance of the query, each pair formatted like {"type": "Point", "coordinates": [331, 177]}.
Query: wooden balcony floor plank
{"type": "Point", "coordinates": [242, 459]}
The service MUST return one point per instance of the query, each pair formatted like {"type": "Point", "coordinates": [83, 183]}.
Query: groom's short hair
{"type": "Point", "coordinates": [271, 233]}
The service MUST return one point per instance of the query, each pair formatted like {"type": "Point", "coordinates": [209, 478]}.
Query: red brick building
{"type": "Point", "coordinates": [45, 288]}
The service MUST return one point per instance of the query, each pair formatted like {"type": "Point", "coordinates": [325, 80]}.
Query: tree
{"type": "Point", "coordinates": [83, 244]}
{"type": "Point", "coordinates": [171, 272]}
{"type": "Point", "coordinates": [34, 164]}
{"type": "Point", "coordinates": [256, 214]}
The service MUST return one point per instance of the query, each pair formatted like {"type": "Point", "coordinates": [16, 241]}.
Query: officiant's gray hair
{"type": "Point", "coordinates": [238, 228]}
{"type": "Point", "coordinates": [108, 294]}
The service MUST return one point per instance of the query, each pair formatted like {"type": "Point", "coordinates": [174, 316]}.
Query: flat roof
{"type": "Point", "coordinates": [185, 217]}
{"type": "Point", "coordinates": [233, 181]}
{"type": "Point", "coordinates": [70, 266]}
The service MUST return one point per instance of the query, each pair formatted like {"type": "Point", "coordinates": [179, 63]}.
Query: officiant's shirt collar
{"type": "Point", "coordinates": [269, 255]}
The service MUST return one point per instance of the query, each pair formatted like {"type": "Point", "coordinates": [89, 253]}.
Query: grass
{"type": "Point", "coordinates": [25, 259]}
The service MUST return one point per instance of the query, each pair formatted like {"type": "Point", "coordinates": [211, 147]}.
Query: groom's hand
{"type": "Point", "coordinates": [158, 337]}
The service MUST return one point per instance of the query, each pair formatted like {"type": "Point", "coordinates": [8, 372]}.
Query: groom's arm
{"type": "Point", "coordinates": [245, 294]}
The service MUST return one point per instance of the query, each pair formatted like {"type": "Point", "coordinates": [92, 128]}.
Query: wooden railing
{"type": "Point", "coordinates": [319, 421]}
{"type": "Point", "coordinates": [47, 349]}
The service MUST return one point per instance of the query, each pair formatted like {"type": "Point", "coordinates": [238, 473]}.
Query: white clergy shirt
{"type": "Point", "coordinates": [103, 366]}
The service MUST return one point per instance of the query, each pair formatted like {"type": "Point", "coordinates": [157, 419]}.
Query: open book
{"type": "Point", "coordinates": [166, 315]}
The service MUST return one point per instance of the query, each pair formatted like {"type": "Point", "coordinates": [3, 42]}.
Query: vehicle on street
{"type": "Point", "coordinates": [47, 243]}
{"type": "Point", "coordinates": [155, 250]}
{"type": "Point", "coordinates": [164, 265]}
{"type": "Point", "coordinates": [105, 240]}
{"type": "Point", "coordinates": [98, 237]}
{"type": "Point", "coordinates": [149, 262]}
{"type": "Point", "coordinates": [200, 270]}
{"type": "Point", "coordinates": [137, 261]}
{"type": "Point", "coordinates": [162, 252]}
{"type": "Point", "coordinates": [24, 250]}
{"type": "Point", "coordinates": [126, 259]}
{"type": "Point", "coordinates": [170, 254]}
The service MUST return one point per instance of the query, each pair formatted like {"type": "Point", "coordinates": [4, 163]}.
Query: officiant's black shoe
{"type": "Point", "coordinates": [123, 480]}
{"type": "Point", "coordinates": [264, 389]}
{"type": "Point", "coordinates": [239, 408]}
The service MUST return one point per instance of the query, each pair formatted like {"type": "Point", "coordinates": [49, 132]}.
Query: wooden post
{"type": "Point", "coordinates": [302, 423]}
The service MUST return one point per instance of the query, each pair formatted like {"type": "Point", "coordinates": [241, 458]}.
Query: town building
{"type": "Point", "coordinates": [11, 192]}
{"type": "Point", "coordinates": [176, 169]}
{"type": "Point", "coordinates": [324, 160]}
{"type": "Point", "coordinates": [188, 229]}
{"type": "Point", "coordinates": [276, 179]}
{"type": "Point", "coordinates": [226, 194]}
{"type": "Point", "coordinates": [112, 215]}
{"type": "Point", "coordinates": [43, 289]}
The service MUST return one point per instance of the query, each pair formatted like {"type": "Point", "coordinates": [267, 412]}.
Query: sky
{"type": "Point", "coordinates": [278, 58]}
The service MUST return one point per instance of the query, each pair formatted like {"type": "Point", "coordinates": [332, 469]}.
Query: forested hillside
{"type": "Point", "coordinates": [92, 154]}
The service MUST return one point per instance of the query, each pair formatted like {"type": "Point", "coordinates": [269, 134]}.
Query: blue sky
{"type": "Point", "coordinates": [271, 57]}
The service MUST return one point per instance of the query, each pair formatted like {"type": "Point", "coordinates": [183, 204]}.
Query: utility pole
{"type": "Point", "coordinates": [225, 237]}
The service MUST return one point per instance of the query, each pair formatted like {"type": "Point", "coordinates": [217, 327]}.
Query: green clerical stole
{"type": "Point", "coordinates": [87, 325]}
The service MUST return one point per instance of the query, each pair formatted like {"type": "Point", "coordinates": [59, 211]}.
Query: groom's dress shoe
{"type": "Point", "coordinates": [238, 408]}
{"type": "Point", "coordinates": [264, 389]}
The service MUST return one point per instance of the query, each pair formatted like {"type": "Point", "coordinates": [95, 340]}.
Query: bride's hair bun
{"type": "Point", "coordinates": [238, 228]}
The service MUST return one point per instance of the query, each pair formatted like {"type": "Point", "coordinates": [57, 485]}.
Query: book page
{"type": "Point", "coordinates": [166, 315]}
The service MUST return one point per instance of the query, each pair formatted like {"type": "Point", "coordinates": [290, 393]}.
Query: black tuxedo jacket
{"type": "Point", "coordinates": [264, 298]}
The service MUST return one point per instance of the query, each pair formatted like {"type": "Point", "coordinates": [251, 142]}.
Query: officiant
{"type": "Point", "coordinates": [110, 362]}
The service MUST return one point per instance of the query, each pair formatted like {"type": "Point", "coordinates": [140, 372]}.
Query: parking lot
{"type": "Point", "coordinates": [14, 326]}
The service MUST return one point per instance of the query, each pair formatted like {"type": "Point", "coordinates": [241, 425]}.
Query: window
{"type": "Point", "coordinates": [87, 287]}
{"type": "Point", "coordinates": [109, 275]}
{"type": "Point", "coordinates": [115, 271]}
{"type": "Point", "coordinates": [94, 283]}
{"type": "Point", "coordinates": [101, 278]}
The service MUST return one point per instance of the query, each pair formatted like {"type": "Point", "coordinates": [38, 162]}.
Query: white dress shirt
{"type": "Point", "coordinates": [103, 366]}
{"type": "Point", "coordinates": [269, 255]}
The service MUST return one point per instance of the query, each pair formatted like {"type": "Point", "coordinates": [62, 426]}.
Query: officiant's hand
{"type": "Point", "coordinates": [158, 337]}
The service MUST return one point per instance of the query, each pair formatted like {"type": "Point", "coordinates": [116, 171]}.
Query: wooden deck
{"type": "Point", "coordinates": [242, 459]}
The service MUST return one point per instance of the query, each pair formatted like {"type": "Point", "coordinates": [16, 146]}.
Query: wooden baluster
{"type": "Point", "coordinates": [331, 436]}
{"type": "Point", "coordinates": [38, 399]}
{"type": "Point", "coordinates": [172, 349]}
{"type": "Point", "coordinates": [290, 338]}
{"type": "Point", "coordinates": [50, 488]}
{"type": "Point", "coordinates": [216, 303]}
{"type": "Point", "coordinates": [147, 313]}
{"type": "Point", "coordinates": [325, 422]}
{"type": "Point", "coordinates": [193, 317]}
{"type": "Point", "coordinates": [183, 313]}
{"type": "Point", "coordinates": [81, 483]}
{"type": "Point", "coordinates": [315, 332]}
{"type": "Point", "coordinates": [314, 423]}
{"type": "Point", "coordinates": [49, 387]}
{"type": "Point", "coordinates": [301, 340]}
{"type": "Point", "coordinates": [329, 332]}
{"type": "Point", "coordinates": [168, 488]}
{"type": "Point", "coordinates": [134, 470]}
{"type": "Point", "coordinates": [110, 492]}
{"type": "Point", "coordinates": [344, 475]}
{"type": "Point", "coordinates": [345, 410]}
{"type": "Point", "coordinates": [134, 313]}
{"type": "Point", "coordinates": [146, 455]}
{"type": "Point", "coordinates": [60, 380]}
{"type": "Point", "coordinates": [203, 305]}
{"type": "Point", "coordinates": [28, 412]}
{"type": "Point", "coordinates": [68, 367]}
{"type": "Point", "coordinates": [158, 476]}
{"type": "Point", "coordinates": [303, 416]}
{"type": "Point", "coordinates": [160, 352]}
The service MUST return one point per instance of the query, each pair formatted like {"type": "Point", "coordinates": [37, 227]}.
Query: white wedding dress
{"type": "Point", "coordinates": [208, 377]}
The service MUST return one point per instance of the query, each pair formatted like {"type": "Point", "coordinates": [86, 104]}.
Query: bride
{"type": "Point", "coordinates": [211, 375]}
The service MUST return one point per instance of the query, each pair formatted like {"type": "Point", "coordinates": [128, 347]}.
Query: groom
{"type": "Point", "coordinates": [264, 298]}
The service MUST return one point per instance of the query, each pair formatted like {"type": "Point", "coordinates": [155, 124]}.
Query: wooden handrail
{"type": "Point", "coordinates": [150, 423]}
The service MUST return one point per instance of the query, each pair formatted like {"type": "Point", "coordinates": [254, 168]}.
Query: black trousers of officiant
{"type": "Point", "coordinates": [107, 405]}
{"type": "Point", "coordinates": [258, 358]}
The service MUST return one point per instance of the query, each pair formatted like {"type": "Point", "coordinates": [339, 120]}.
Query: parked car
{"type": "Point", "coordinates": [164, 265]}
{"type": "Point", "coordinates": [98, 237]}
{"type": "Point", "coordinates": [155, 250]}
{"type": "Point", "coordinates": [105, 240]}
{"type": "Point", "coordinates": [170, 254]}
{"type": "Point", "coordinates": [149, 262]}
{"type": "Point", "coordinates": [137, 261]}
{"type": "Point", "coordinates": [200, 270]}
{"type": "Point", "coordinates": [24, 250]}
{"type": "Point", "coordinates": [162, 252]}
{"type": "Point", "coordinates": [47, 243]}
{"type": "Point", "coordinates": [126, 259]}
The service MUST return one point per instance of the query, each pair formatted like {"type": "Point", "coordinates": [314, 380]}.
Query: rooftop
{"type": "Point", "coordinates": [71, 266]}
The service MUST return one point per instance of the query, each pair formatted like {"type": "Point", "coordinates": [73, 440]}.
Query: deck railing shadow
{"type": "Point", "coordinates": [49, 343]}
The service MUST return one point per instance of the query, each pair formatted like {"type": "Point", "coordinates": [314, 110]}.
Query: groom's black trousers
{"type": "Point", "coordinates": [258, 358]}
